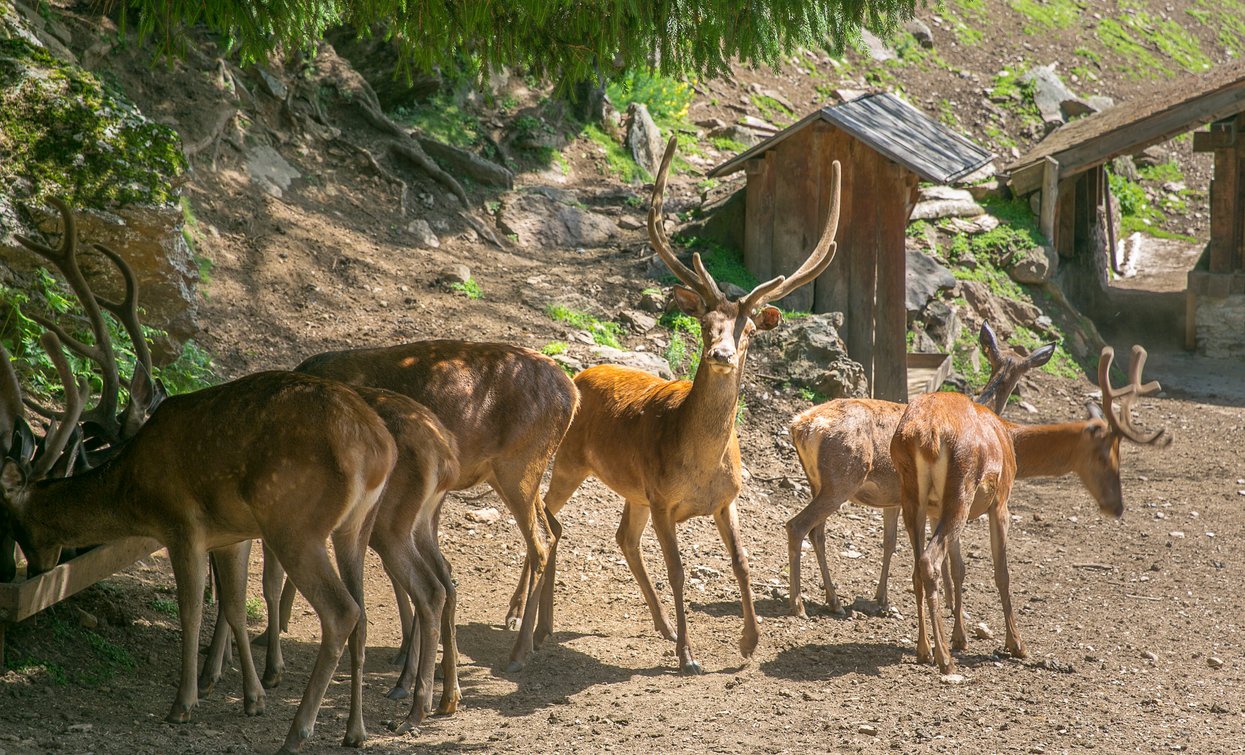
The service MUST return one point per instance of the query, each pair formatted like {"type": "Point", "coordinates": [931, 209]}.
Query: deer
{"type": "Point", "coordinates": [507, 409]}
{"type": "Point", "coordinates": [669, 447]}
{"type": "Point", "coordinates": [405, 538]}
{"type": "Point", "coordinates": [844, 447]}
{"type": "Point", "coordinates": [958, 460]}
{"type": "Point", "coordinates": [294, 459]}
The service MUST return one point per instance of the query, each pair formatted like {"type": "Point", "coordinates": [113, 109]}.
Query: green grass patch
{"type": "Point", "coordinates": [726, 144]}
{"type": "Point", "coordinates": [553, 348]}
{"type": "Point", "coordinates": [443, 119]}
{"type": "Point", "coordinates": [603, 332]}
{"type": "Point", "coordinates": [470, 289]}
{"type": "Point", "coordinates": [1042, 17]}
{"type": "Point", "coordinates": [254, 608]}
{"type": "Point", "coordinates": [164, 607]}
{"type": "Point", "coordinates": [726, 265]}
{"type": "Point", "coordinates": [772, 110]}
{"type": "Point", "coordinates": [617, 160]}
{"type": "Point", "coordinates": [1162, 173]}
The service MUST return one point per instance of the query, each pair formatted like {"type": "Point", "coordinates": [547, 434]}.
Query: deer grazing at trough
{"type": "Point", "coordinates": [507, 409]}
{"type": "Point", "coordinates": [405, 538]}
{"type": "Point", "coordinates": [958, 460]}
{"type": "Point", "coordinates": [669, 446]}
{"type": "Point", "coordinates": [844, 447]}
{"type": "Point", "coordinates": [291, 458]}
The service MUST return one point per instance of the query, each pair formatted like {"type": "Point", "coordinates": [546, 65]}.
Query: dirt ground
{"type": "Point", "coordinates": [1134, 627]}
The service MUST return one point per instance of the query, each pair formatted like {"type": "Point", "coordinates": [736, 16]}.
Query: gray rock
{"type": "Point", "coordinates": [925, 278]}
{"type": "Point", "coordinates": [640, 360]}
{"type": "Point", "coordinates": [1049, 92]}
{"type": "Point", "coordinates": [653, 301]}
{"type": "Point", "coordinates": [920, 31]}
{"type": "Point", "coordinates": [272, 84]}
{"type": "Point", "coordinates": [811, 353]}
{"type": "Point", "coordinates": [1150, 157]}
{"type": "Point", "coordinates": [630, 223]}
{"type": "Point", "coordinates": [487, 515]}
{"type": "Point", "coordinates": [1035, 266]}
{"type": "Point", "coordinates": [738, 133]}
{"type": "Point", "coordinates": [455, 274]}
{"type": "Point", "coordinates": [1100, 102]}
{"type": "Point", "coordinates": [537, 221]}
{"type": "Point", "coordinates": [876, 48]}
{"type": "Point", "coordinates": [710, 124]}
{"type": "Point", "coordinates": [640, 322]}
{"type": "Point", "coordinates": [773, 95]}
{"type": "Point", "coordinates": [937, 202]}
{"type": "Point", "coordinates": [1124, 166]}
{"type": "Point", "coordinates": [270, 171]}
{"type": "Point", "coordinates": [643, 138]}
{"type": "Point", "coordinates": [942, 324]}
{"type": "Point", "coordinates": [759, 125]}
{"type": "Point", "coordinates": [422, 234]}
{"type": "Point", "coordinates": [1075, 108]}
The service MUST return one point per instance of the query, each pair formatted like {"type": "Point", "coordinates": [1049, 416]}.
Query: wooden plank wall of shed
{"type": "Point", "coordinates": [797, 189]}
{"type": "Point", "coordinates": [759, 217]}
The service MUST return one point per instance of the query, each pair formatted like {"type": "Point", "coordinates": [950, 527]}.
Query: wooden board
{"type": "Point", "coordinates": [21, 600]}
{"type": "Point", "coordinates": [862, 244]}
{"type": "Point", "coordinates": [759, 218]}
{"type": "Point", "coordinates": [797, 174]}
{"type": "Point", "coordinates": [927, 372]}
{"type": "Point", "coordinates": [890, 330]}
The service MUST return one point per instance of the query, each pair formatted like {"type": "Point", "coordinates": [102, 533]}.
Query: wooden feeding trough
{"type": "Point", "coordinates": [885, 147]}
{"type": "Point", "coordinates": [21, 600]}
{"type": "Point", "coordinates": [1077, 215]}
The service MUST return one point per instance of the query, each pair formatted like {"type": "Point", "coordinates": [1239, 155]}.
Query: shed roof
{"type": "Point", "coordinates": [1172, 108]}
{"type": "Point", "coordinates": [895, 129]}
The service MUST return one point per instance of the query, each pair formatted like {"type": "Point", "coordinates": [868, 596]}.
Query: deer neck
{"type": "Point", "coordinates": [86, 509]}
{"type": "Point", "coordinates": [1046, 450]}
{"type": "Point", "coordinates": [707, 415]}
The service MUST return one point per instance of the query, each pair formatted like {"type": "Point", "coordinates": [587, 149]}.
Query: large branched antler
{"type": "Point", "coordinates": [699, 281]}
{"type": "Point", "coordinates": [1121, 422]}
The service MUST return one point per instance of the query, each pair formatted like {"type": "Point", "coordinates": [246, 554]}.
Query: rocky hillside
{"type": "Point", "coordinates": [328, 204]}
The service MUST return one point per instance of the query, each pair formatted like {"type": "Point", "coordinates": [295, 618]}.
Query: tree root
{"type": "Point", "coordinates": [410, 150]}
{"type": "Point", "coordinates": [403, 190]}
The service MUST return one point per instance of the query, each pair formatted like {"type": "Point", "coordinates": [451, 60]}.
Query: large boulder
{"type": "Point", "coordinates": [536, 221]}
{"type": "Point", "coordinates": [937, 202]}
{"type": "Point", "coordinates": [644, 138]}
{"type": "Point", "coordinates": [812, 355]}
{"type": "Point", "coordinates": [640, 360]}
{"type": "Point", "coordinates": [925, 278]}
{"type": "Point", "coordinates": [1049, 94]}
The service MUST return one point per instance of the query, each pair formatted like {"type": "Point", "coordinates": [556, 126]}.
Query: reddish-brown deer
{"type": "Point", "coordinates": [507, 409]}
{"type": "Point", "coordinates": [292, 458]}
{"type": "Point", "coordinates": [958, 460]}
{"type": "Point", "coordinates": [844, 448]}
{"type": "Point", "coordinates": [669, 446]}
{"type": "Point", "coordinates": [405, 537]}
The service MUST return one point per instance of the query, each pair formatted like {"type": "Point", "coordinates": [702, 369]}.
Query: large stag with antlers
{"type": "Point", "coordinates": [669, 447]}
{"type": "Point", "coordinates": [294, 459]}
{"type": "Point", "coordinates": [958, 460]}
{"type": "Point", "coordinates": [844, 448]}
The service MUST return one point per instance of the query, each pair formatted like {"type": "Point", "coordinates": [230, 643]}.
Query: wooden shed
{"type": "Point", "coordinates": [885, 147]}
{"type": "Point", "coordinates": [1068, 168]}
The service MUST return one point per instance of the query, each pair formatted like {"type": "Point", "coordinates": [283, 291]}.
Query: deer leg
{"type": "Point", "coordinates": [287, 604]}
{"type": "Point", "coordinates": [306, 559]}
{"type": "Point", "coordinates": [565, 479]}
{"type": "Point", "coordinates": [999, 521]}
{"type": "Point", "coordinates": [817, 536]}
{"type": "Point", "coordinates": [810, 520]}
{"type": "Point", "coordinates": [428, 597]}
{"type": "Point", "coordinates": [890, 532]}
{"type": "Point", "coordinates": [349, 548]}
{"type": "Point", "coordinates": [273, 581]}
{"type": "Point", "coordinates": [914, 522]}
{"type": "Point", "coordinates": [727, 520]}
{"type": "Point", "coordinates": [450, 693]}
{"type": "Point", "coordinates": [954, 566]}
{"type": "Point", "coordinates": [406, 617]}
{"type": "Point", "coordinates": [668, 539]}
{"type": "Point", "coordinates": [218, 647]}
{"type": "Point", "coordinates": [635, 516]}
{"type": "Point", "coordinates": [928, 568]}
{"type": "Point", "coordinates": [520, 489]}
{"type": "Point", "coordinates": [189, 569]}
{"type": "Point", "coordinates": [231, 565]}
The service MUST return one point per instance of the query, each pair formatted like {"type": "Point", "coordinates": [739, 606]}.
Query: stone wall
{"type": "Point", "coordinates": [1221, 326]}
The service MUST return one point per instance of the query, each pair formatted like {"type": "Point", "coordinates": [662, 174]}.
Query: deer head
{"type": "Point", "coordinates": [1098, 463]}
{"type": "Point", "coordinates": [727, 326]}
{"type": "Point", "coordinates": [1006, 368]}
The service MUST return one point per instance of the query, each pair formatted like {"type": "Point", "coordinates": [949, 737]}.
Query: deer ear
{"type": "Point", "coordinates": [12, 478]}
{"type": "Point", "coordinates": [688, 301]}
{"type": "Point", "coordinates": [767, 318]}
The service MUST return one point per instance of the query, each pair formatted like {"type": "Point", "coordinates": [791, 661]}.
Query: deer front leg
{"type": "Point", "coordinates": [999, 521]}
{"type": "Point", "coordinates": [890, 533]}
{"type": "Point", "coordinates": [189, 569]}
{"type": "Point", "coordinates": [727, 520]}
{"type": "Point", "coordinates": [667, 538]}
{"type": "Point", "coordinates": [635, 516]}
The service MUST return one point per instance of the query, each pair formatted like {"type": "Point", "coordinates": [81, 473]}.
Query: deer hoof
{"type": "Point", "coordinates": [354, 740]}
{"type": "Point", "coordinates": [272, 679]}
{"type": "Point", "coordinates": [514, 667]}
{"type": "Point", "coordinates": [692, 668]}
{"type": "Point", "coordinates": [512, 623]}
{"type": "Point", "coordinates": [254, 707]}
{"type": "Point", "coordinates": [398, 693]}
{"type": "Point", "coordinates": [179, 713]}
{"type": "Point", "coordinates": [406, 726]}
{"type": "Point", "coordinates": [449, 706]}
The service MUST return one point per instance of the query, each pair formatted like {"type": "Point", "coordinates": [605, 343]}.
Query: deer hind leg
{"type": "Point", "coordinates": [890, 532]}
{"type": "Point", "coordinates": [349, 547]}
{"type": "Point", "coordinates": [727, 520]}
{"type": "Point", "coordinates": [810, 522]}
{"type": "Point", "coordinates": [520, 488]}
{"type": "Point", "coordinates": [914, 522]}
{"type": "Point", "coordinates": [278, 617]}
{"type": "Point", "coordinates": [450, 692]}
{"type": "Point", "coordinates": [635, 516]}
{"type": "Point", "coordinates": [999, 521]}
{"type": "Point", "coordinates": [189, 569]}
{"type": "Point", "coordinates": [565, 480]}
{"type": "Point", "coordinates": [406, 618]}
{"type": "Point", "coordinates": [218, 648]}
{"type": "Point", "coordinates": [231, 563]}
{"type": "Point", "coordinates": [428, 595]}
{"type": "Point", "coordinates": [954, 566]}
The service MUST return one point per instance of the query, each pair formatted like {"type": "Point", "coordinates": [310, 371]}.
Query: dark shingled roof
{"type": "Point", "coordinates": [1170, 109]}
{"type": "Point", "coordinates": [895, 129]}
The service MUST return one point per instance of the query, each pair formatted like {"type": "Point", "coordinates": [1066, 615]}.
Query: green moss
{"type": "Point", "coordinates": [68, 134]}
{"type": "Point", "coordinates": [470, 289]}
{"type": "Point", "coordinates": [553, 348]}
{"type": "Point", "coordinates": [443, 119]}
{"type": "Point", "coordinates": [726, 144]}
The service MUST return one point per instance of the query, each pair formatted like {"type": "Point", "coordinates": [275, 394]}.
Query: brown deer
{"type": "Point", "coordinates": [958, 460]}
{"type": "Point", "coordinates": [405, 537]}
{"type": "Point", "coordinates": [669, 446]}
{"type": "Point", "coordinates": [292, 458]}
{"type": "Point", "coordinates": [844, 447]}
{"type": "Point", "coordinates": [507, 409]}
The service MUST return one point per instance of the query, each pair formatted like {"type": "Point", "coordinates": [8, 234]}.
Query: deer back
{"type": "Point", "coordinates": [427, 452]}
{"type": "Point", "coordinates": [495, 399]}
{"type": "Point", "coordinates": [849, 438]}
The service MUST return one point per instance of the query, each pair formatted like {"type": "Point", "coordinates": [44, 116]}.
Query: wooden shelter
{"type": "Point", "coordinates": [885, 147]}
{"type": "Point", "coordinates": [1068, 169]}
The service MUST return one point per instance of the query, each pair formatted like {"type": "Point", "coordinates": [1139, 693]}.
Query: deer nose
{"type": "Point", "coordinates": [722, 354]}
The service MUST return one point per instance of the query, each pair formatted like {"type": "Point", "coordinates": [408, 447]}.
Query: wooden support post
{"type": "Point", "coordinates": [866, 239]}
{"type": "Point", "coordinates": [1190, 320]}
{"type": "Point", "coordinates": [1050, 201]}
{"type": "Point", "coordinates": [890, 342]}
{"type": "Point", "coordinates": [759, 217]}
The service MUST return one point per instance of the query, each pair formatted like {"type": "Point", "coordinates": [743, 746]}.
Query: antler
{"type": "Point", "coordinates": [65, 259]}
{"type": "Point", "coordinates": [10, 402]}
{"type": "Point", "coordinates": [700, 281]}
{"type": "Point", "coordinates": [126, 311]}
{"type": "Point", "coordinates": [818, 260]}
{"type": "Point", "coordinates": [1122, 423]}
{"type": "Point", "coordinates": [63, 427]}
